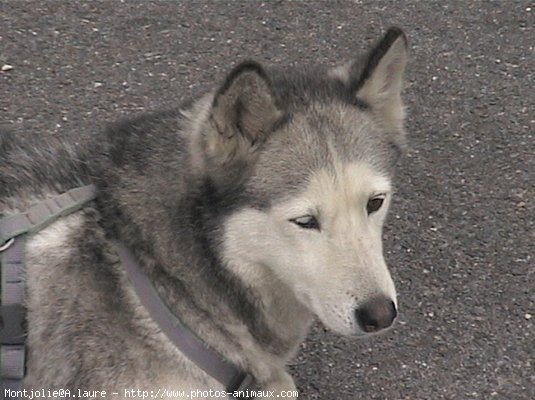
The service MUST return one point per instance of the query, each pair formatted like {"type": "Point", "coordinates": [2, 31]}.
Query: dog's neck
{"type": "Point", "coordinates": [242, 311]}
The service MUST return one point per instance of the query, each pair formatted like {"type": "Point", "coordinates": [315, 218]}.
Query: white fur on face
{"type": "Point", "coordinates": [333, 270]}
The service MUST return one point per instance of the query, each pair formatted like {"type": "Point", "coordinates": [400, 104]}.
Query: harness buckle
{"type": "Point", "coordinates": [12, 324]}
{"type": "Point", "coordinates": [7, 245]}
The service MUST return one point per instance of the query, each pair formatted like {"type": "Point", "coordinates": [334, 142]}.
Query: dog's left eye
{"type": "Point", "coordinates": [374, 204]}
{"type": "Point", "coordinates": [307, 222]}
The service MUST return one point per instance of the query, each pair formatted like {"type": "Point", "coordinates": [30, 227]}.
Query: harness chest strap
{"type": "Point", "coordinates": [13, 232]}
{"type": "Point", "coordinates": [12, 336]}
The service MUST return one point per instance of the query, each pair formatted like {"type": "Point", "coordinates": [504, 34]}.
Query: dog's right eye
{"type": "Point", "coordinates": [374, 204]}
{"type": "Point", "coordinates": [307, 222]}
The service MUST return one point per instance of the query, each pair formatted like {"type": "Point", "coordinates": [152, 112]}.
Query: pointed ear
{"type": "Point", "coordinates": [380, 82]}
{"type": "Point", "coordinates": [244, 112]}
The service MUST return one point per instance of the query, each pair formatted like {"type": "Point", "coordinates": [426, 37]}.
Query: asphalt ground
{"type": "Point", "coordinates": [460, 237]}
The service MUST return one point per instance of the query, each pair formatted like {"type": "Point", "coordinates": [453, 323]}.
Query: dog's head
{"type": "Point", "coordinates": [311, 154]}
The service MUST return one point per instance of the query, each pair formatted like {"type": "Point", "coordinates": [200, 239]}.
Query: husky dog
{"type": "Point", "coordinates": [252, 209]}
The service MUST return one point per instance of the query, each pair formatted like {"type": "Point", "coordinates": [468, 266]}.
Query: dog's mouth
{"type": "Point", "coordinates": [331, 315]}
{"type": "Point", "coordinates": [375, 316]}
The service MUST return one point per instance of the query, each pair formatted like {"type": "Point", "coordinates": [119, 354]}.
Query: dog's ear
{"type": "Point", "coordinates": [377, 81]}
{"type": "Point", "coordinates": [381, 80]}
{"type": "Point", "coordinates": [243, 113]}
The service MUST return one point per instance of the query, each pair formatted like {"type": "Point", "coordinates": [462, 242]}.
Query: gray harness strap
{"type": "Point", "coordinates": [12, 350]}
{"type": "Point", "coordinates": [13, 233]}
{"type": "Point", "coordinates": [44, 213]}
{"type": "Point", "coordinates": [189, 344]}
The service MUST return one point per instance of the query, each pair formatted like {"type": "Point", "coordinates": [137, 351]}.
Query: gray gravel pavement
{"type": "Point", "coordinates": [460, 237]}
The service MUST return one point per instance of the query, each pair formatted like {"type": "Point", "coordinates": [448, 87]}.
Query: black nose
{"type": "Point", "coordinates": [376, 314]}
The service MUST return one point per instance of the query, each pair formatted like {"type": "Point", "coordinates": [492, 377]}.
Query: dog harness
{"type": "Point", "coordinates": [14, 231]}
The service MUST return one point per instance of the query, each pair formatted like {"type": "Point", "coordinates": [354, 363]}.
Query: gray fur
{"type": "Point", "coordinates": [167, 183]}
